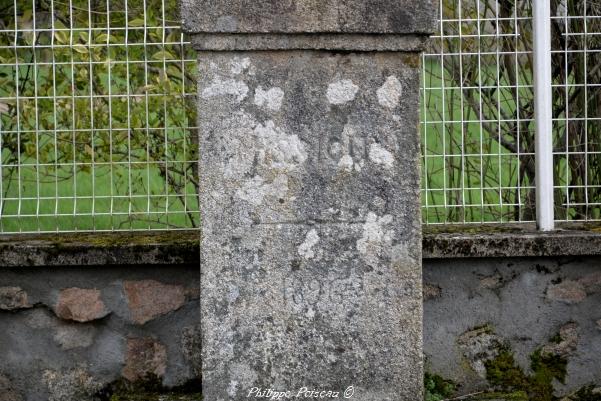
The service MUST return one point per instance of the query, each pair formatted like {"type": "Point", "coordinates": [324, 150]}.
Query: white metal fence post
{"type": "Point", "coordinates": [543, 114]}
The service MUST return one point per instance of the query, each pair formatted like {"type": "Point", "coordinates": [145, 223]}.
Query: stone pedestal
{"type": "Point", "coordinates": [309, 180]}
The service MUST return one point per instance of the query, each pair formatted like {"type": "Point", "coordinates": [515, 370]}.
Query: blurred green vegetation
{"type": "Point", "coordinates": [96, 116]}
{"type": "Point", "coordinates": [478, 113]}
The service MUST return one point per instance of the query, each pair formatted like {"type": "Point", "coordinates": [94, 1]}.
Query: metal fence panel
{"type": "Point", "coordinates": [576, 55]}
{"type": "Point", "coordinates": [478, 121]}
{"type": "Point", "coordinates": [96, 117]}
{"type": "Point", "coordinates": [478, 142]}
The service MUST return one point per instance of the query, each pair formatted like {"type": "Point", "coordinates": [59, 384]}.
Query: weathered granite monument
{"type": "Point", "coordinates": [311, 240]}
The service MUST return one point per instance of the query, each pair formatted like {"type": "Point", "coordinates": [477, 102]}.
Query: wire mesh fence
{"type": "Point", "coordinates": [478, 123]}
{"type": "Point", "coordinates": [96, 117]}
{"type": "Point", "coordinates": [477, 134]}
{"type": "Point", "coordinates": [576, 60]}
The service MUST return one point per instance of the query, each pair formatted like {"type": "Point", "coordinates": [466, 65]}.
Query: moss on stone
{"type": "Point", "coordinates": [547, 367]}
{"type": "Point", "coordinates": [156, 397]}
{"type": "Point", "coordinates": [509, 382]}
{"type": "Point", "coordinates": [158, 247]}
{"type": "Point", "coordinates": [116, 239]}
{"type": "Point", "coordinates": [587, 393]}
{"type": "Point", "coordinates": [146, 396]}
{"type": "Point", "coordinates": [556, 339]}
{"type": "Point", "coordinates": [514, 396]}
{"type": "Point", "coordinates": [492, 228]}
{"type": "Point", "coordinates": [437, 388]}
{"type": "Point", "coordinates": [496, 396]}
{"type": "Point", "coordinates": [477, 229]}
{"type": "Point", "coordinates": [150, 389]}
{"type": "Point", "coordinates": [106, 239]}
{"type": "Point", "coordinates": [483, 329]}
{"type": "Point", "coordinates": [504, 373]}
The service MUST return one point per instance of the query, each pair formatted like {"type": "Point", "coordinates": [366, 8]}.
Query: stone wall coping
{"type": "Point", "coordinates": [182, 247]}
{"type": "Point", "coordinates": [510, 240]}
{"type": "Point", "coordinates": [100, 249]}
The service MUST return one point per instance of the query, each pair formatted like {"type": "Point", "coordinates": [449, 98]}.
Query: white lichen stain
{"type": "Point", "coordinates": [240, 65]}
{"type": "Point", "coordinates": [376, 237]}
{"type": "Point", "coordinates": [256, 189]}
{"type": "Point", "coordinates": [306, 248]}
{"type": "Point", "coordinates": [244, 374]}
{"type": "Point", "coordinates": [390, 93]}
{"type": "Point", "coordinates": [266, 151]}
{"type": "Point", "coordinates": [223, 87]}
{"type": "Point", "coordinates": [346, 163]}
{"type": "Point", "coordinates": [272, 98]}
{"type": "Point", "coordinates": [75, 384]}
{"type": "Point", "coordinates": [280, 150]}
{"type": "Point", "coordinates": [232, 389]}
{"type": "Point", "coordinates": [381, 156]}
{"type": "Point", "coordinates": [70, 337]}
{"type": "Point", "coordinates": [274, 148]}
{"type": "Point", "coordinates": [341, 92]}
{"type": "Point", "coordinates": [227, 23]}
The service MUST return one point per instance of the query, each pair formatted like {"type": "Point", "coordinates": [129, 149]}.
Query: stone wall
{"type": "Point", "coordinates": [78, 332]}
{"type": "Point", "coordinates": [114, 313]}
{"type": "Point", "coordinates": [476, 310]}
{"type": "Point", "coordinates": [68, 333]}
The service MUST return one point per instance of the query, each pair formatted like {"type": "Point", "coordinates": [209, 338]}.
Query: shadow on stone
{"type": "Point", "coordinates": [150, 389]}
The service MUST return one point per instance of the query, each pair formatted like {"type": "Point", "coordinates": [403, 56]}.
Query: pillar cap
{"type": "Point", "coordinates": [417, 17]}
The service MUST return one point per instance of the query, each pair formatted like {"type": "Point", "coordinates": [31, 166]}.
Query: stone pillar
{"type": "Point", "coordinates": [309, 187]}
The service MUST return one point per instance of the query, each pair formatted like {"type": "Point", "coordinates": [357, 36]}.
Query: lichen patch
{"type": "Point", "coordinates": [376, 237]}
{"type": "Point", "coordinates": [255, 190]}
{"type": "Point", "coordinates": [226, 87]}
{"type": "Point", "coordinates": [381, 156]}
{"type": "Point", "coordinates": [341, 92]}
{"type": "Point", "coordinates": [274, 148]}
{"type": "Point", "coordinates": [346, 163]}
{"type": "Point", "coordinates": [349, 149]}
{"type": "Point", "coordinates": [239, 65]}
{"type": "Point", "coordinates": [280, 150]}
{"type": "Point", "coordinates": [232, 389]}
{"type": "Point", "coordinates": [266, 151]}
{"type": "Point", "coordinates": [390, 93]}
{"type": "Point", "coordinates": [271, 99]}
{"type": "Point", "coordinates": [245, 377]}
{"type": "Point", "coordinates": [306, 248]}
